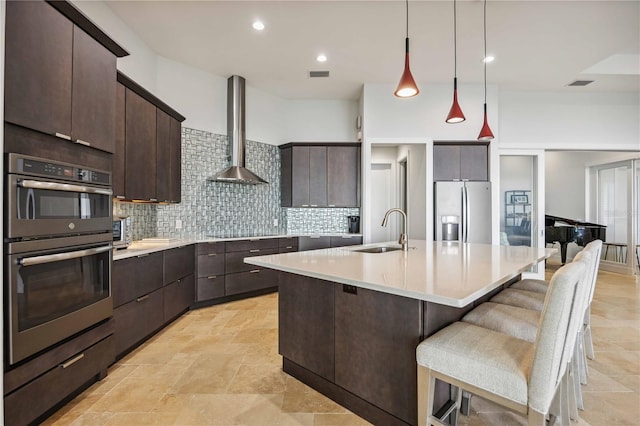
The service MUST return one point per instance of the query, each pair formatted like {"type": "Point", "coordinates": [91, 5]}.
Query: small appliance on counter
{"type": "Point", "coordinates": [354, 224]}
{"type": "Point", "coordinates": [122, 232]}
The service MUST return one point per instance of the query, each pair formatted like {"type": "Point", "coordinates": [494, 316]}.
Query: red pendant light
{"type": "Point", "coordinates": [407, 86]}
{"type": "Point", "coordinates": [485, 133]}
{"type": "Point", "coordinates": [455, 113]}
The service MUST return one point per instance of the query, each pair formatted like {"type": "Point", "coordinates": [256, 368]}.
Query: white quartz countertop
{"type": "Point", "coordinates": [448, 273]}
{"type": "Point", "coordinates": [139, 248]}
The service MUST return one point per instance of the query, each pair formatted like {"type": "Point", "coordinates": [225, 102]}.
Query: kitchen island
{"type": "Point", "coordinates": [350, 320]}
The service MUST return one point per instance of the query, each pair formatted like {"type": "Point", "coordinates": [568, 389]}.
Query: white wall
{"type": "Point", "coordinates": [545, 120]}
{"type": "Point", "coordinates": [321, 120]}
{"type": "Point", "coordinates": [140, 65]}
{"type": "Point", "coordinates": [387, 116]}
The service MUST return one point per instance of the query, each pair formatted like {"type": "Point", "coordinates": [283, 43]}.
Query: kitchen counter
{"type": "Point", "coordinates": [448, 273]}
{"type": "Point", "coordinates": [138, 248]}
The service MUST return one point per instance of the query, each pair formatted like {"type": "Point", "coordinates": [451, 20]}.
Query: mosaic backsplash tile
{"type": "Point", "coordinates": [319, 221]}
{"type": "Point", "coordinates": [228, 209]}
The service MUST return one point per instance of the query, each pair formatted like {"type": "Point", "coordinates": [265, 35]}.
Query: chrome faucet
{"type": "Point", "coordinates": [403, 237]}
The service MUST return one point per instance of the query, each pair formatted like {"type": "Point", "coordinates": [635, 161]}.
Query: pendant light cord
{"type": "Point", "coordinates": [485, 52]}
{"type": "Point", "coordinates": [455, 42]}
{"type": "Point", "coordinates": [407, 23]}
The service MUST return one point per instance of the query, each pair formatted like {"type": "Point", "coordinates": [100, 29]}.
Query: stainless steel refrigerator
{"type": "Point", "coordinates": [463, 212]}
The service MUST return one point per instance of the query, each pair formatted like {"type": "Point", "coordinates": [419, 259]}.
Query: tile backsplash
{"type": "Point", "coordinates": [228, 209]}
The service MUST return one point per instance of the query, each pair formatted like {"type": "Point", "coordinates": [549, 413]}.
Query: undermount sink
{"type": "Point", "coordinates": [382, 249]}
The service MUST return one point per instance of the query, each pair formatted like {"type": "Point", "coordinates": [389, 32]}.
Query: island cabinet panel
{"type": "Point", "coordinates": [140, 149]}
{"type": "Point", "coordinates": [343, 176]}
{"type": "Point", "coordinates": [375, 339]}
{"type": "Point", "coordinates": [38, 66]}
{"type": "Point", "coordinates": [306, 323]}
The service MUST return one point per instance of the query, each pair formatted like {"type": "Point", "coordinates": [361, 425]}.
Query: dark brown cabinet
{"type": "Point", "coordinates": [135, 276]}
{"type": "Point", "coordinates": [313, 242]}
{"type": "Point", "coordinates": [320, 175]}
{"type": "Point", "coordinates": [461, 161]}
{"type": "Point", "coordinates": [179, 282]}
{"type": "Point", "coordinates": [242, 277]}
{"type": "Point", "coordinates": [343, 176]}
{"type": "Point", "coordinates": [346, 240]}
{"type": "Point", "coordinates": [148, 162]}
{"type": "Point", "coordinates": [288, 244]}
{"type": "Point", "coordinates": [59, 79]}
{"type": "Point", "coordinates": [210, 271]}
{"type": "Point", "coordinates": [140, 148]}
{"type": "Point", "coordinates": [375, 339]}
{"type": "Point", "coordinates": [306, 323]}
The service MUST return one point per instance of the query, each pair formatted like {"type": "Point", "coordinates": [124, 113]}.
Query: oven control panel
{"type": "Point", "coordinates": [40, 167]}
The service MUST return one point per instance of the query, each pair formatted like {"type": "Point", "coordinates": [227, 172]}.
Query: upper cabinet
{"type": "Point", "coordinates": [460, 161]}
{"type": "Point", "coordinates": [320, 175]}
{"type": "Point", "coordinates": [60, 73]}
{"type": "Point", "coordinates": [147, 159]}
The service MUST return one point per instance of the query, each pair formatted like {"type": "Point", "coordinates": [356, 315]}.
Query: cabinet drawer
{"type": "Point", "coordinates": [255, 279]}
{"type": "Point", "coordinates": [210, 287]}
{"type": "Point", "coordinates": [137, 319]}
{"type": "Point", "coordinates": [211, 247]}
{"type": "Point", "coordinates": [312, 243]}
{"type": "Point", "coordinates": [210, 264]}
{"type": "Point", "coordinates": [288, 249]}
{"type": "Point", "coordinates": [38, 396]}
{"type": "Point", "coordinates": [287, 242]}
{"type": "Point", "coordinates": [178, 296]}
{"type": "Point", "coordinates": [178, 263]}
{"type": "Point", "coordinates": [245, 245]}
{"type": "Point", "coordinates": [234, 262]}
{"type": "Point", "coordinates": [345, 240]}
{"type": "Point", "coordinates": [135, 276]}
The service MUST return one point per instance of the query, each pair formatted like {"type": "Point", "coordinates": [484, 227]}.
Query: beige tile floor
{"type": "Point", "coordinates": [220, 366]}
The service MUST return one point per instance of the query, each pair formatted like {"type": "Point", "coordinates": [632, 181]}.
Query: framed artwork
{"type": "Point", "coordinates": [519, 199]}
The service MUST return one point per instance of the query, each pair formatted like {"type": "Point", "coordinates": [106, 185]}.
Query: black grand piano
{"type": "Point", "coordinates": [564, 231]}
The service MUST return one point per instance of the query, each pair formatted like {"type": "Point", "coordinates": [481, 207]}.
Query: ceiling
{"type": "Point", "coordinates": [538, 45]}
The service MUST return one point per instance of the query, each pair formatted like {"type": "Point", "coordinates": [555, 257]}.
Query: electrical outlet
{"type": "Point", "coordinates": [275, 222]}
{"type": "Point", "coordinates": [178, 224]}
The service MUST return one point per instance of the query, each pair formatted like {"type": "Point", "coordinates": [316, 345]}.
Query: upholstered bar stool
{"type": "Point", "coordinates": [523, 324]}
{"type": "Point", "coordinates": [517, 374]}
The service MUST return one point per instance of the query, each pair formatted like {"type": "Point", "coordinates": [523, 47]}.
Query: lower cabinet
{"type": "Point", "coordinates": [34, 388]}
{"type": "Point", "coordinates": [346, 240]}
{"type": "Point", "coordinates": [314, 242]}
{"type": "Point", "coordinates": [178, 296]}
{"type": "Point", "coordinates": [256, 279]}
{"type": "Point", "coordinates": [136, 320]}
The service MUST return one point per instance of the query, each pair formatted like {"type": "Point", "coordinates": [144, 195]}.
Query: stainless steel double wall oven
{"type": "Point", "coordinates": [58, 252]}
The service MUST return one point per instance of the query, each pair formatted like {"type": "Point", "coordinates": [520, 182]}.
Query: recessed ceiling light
{"type": "Point", "coordinates": [321, 58]}
{"type": "Point", "coordinates": [488, 59]}
{"type": "Point", "coordinates": [258, 25]}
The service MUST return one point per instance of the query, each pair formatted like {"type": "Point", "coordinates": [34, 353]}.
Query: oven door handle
{"type": "Point", "coordinates": [48, 258]}
{"type": "Point", "coordinates": [54, 186]}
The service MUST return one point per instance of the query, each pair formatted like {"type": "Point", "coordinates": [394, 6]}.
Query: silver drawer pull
{"type": "Point", "coordinates": [254, 251]}
{"type": "Point", "coordinates": [289, 247]}
{"type": "Point", "coordinates": [332, 205]}
{"type": "Point", "coordinates": [81, 142]}
{"type": "Point", "coordinates": [314, 205]}
{"type": "Point", "coordinates": [120, 197]}
{"type": "Point", "coordinates": [72, 361]}
{"type": "Point", "coordinates": [212, 277]}
{"type": "Point", "coordinates": [153, 199]}
{"type": "Point", "coordinates": [142, 299]}
{"type": "Point", "coordinates": [305, 205]}
{"type": "Point", "coordinates": [212, 254]}
{"type": "Point", "coordinates": [63, 136]}
{"type": "Point", "coordinates": [142, 255]}
{"type": "Point", "coordinates": [254, 271]}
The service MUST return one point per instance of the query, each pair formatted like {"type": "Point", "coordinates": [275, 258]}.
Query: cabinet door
{"type": "Point", "coordinates": [343, 176]}
{"type": "Point", "coordinates": [306, 323]}
{"type": "Point", "coordinates": [446, 162]}
{"type": "Point", "coordinates": [474, 162]}
{"type": "Point", "coordinates": [93, 106]}
{"type": "Point", "coordinates": [375, 339]}
{"type": "Point", "coordinates": [178, 263]}
{"type": "Point", "coordinates": [286, 180]}
{"type": "Point", "coordinates": [163, 155]}
{"type": "Point", "coordinates": [317, 176]}
{"type": "Point", "coordinates": [255, 279]}
{"type": "Point", "coordinates": [137, 319]}
{"type": "Point", "coordinates": [313, 242]}
{"type": "Point", "coordinates": [345, 240]}
{"type": "Point", "coordinates": [300, 177]}
{"type": "Point", "coordinates": [178, 296]}
{"type": "Point", "coordinates": [117, 178]}
{"type": "Point", "coordinates": [210, 287]}
{"type": "Point", "coordinates": [175, 161]}
{"type": "Point", "coordinates": [140, 159]}
{"type": "Point", "coordinates": [38, 67]}
{"type": "Point", "coordinates": [135, 276]}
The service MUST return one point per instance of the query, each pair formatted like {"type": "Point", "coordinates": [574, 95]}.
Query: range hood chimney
{"type": "Point", "coordinates": [237, 172]}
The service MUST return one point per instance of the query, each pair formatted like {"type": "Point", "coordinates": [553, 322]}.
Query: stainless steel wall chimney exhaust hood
{"type": "Point", "coordinates": [237, 172]}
